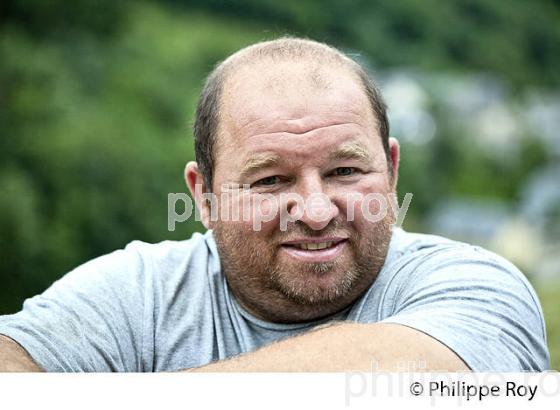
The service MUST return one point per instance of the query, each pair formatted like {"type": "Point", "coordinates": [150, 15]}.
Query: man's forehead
{"type": "Point", "coordinates": [261, 93]}
{"type": "Point", "coordinates": [275, 75]}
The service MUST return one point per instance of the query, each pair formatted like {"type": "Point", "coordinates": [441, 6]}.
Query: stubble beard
{"type": "Point", "coordinates": [290, 291]}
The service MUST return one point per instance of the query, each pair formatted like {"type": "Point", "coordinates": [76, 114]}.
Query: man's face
{"type": "Point", "coordinates": [306, 144]}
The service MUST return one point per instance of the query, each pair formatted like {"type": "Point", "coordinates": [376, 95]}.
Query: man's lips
{"type": "Point", "coordinates": [324, 249]}
{"type": "Point", "coordinates": [315, 243]}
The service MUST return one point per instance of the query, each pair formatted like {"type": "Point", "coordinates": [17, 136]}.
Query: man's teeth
{"type": "Point", "coordinates": [314, 246]}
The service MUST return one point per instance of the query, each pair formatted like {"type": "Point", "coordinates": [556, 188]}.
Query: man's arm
{"type": "Point", "coordinates": [14, 358]}
{"type": "Point", "coordinates": [347, 347]}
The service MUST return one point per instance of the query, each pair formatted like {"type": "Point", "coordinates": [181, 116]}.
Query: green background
{"type": "Point", "coordinates": [97, 99]}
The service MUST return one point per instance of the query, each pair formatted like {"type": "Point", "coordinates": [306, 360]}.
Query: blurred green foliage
{"type": "Point", "coordinates": [549, 295]}
{"type": "Point", "coordinates": [95, 133]}
{"type": "Point", "coordinates": [96, 99]}
{"type": "Point", "coordinates": [515, 39]}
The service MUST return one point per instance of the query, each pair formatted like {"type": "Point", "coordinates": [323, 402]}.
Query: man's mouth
{"type": "Point", "coordinates": [315, 250]}
{"type": "Point", "coordinates": [314, 246]}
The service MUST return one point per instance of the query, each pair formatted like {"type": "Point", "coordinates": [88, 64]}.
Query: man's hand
{"type": "Point", "coordinates": [346, 347]}
{"type": "Point", "coordinates": [14, 358]}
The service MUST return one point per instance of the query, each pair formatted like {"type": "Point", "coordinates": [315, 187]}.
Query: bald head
{"type": "Point", "coordinates": [285, 67]}
{"type": "Point", "coordinates": [295, 50]}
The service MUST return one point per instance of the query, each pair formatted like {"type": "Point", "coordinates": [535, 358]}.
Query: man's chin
{"type": "Point", "coordinates": [315, 283]}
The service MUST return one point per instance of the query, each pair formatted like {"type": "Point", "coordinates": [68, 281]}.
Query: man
{"type": "Point", "coordinates": [288, 130]}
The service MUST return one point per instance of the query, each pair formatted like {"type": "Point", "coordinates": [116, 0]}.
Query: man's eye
{"type": "Point", "coordinates": [268, 181]}
{"type": "Point", "coordinates": [344, 171]}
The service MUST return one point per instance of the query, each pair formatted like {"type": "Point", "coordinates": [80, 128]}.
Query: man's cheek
{"type": "Point", "coordinates": [264, 212]}
{"type": "Point", "coordinates": [373, 208]}
{"type": "Point", "coordinates": [349, 205]}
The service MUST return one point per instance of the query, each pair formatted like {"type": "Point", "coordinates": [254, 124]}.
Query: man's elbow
{"type": "Point", "coordinates": [396, 348]}
{"type": "Point", "coordinates": [14, 358]}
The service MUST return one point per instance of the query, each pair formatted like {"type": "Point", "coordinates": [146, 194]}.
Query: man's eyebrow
{"type": "Point", "coordinates": [352, 151]}
{"type": "Point", "coordinates": [257, 163]}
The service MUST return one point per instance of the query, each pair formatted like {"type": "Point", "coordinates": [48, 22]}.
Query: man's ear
{"type": "Point", "coordinates": [197, 186]}
{"type": "Point", "coordinates": [395, 152]}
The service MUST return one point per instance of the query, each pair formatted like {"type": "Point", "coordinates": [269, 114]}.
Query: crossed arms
{"type": "Point", "coordinates": [340, 347]}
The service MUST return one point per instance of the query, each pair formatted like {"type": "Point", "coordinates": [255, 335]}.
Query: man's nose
{"type": "Point", "coordinates": [314, 206]}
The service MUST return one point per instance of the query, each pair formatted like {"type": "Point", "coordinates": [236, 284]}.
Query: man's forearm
{"type": "Point", "coordinates": [14, 358]}
{"type": "Point", "coordinates": [347, 347]}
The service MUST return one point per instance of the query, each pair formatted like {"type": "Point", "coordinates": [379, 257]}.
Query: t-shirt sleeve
{"type": "Point", "coordinates": [89, 320]}
{"type": "Point", "coordinates": [477, 304]}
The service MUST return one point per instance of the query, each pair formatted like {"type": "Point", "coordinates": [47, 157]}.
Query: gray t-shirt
{"type": "Point", "coordinates": [167, 306]}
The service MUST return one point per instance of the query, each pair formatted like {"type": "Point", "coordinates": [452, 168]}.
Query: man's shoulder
{"type": "Point", "coordinates": [174, 258]}
{"type": "Point", "coordinates": [421, 260]}
{"type": "Point", "coordinates": [197, 245]}
{"type": "Point", "coordinates": [415, 256]}
{"type": "Point", "coordinates": [404, 243]}
{"type": "Point", "coordinates": [144, 262]}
